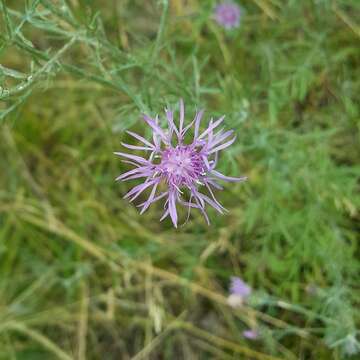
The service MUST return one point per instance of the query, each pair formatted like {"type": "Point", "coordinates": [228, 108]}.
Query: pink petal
{"type": "Point", "coordinates": [156, 128]}
{"type": "Point", "coordinates": [133, 157]}
{"type": "Point", "coordinates": [227, 178]}
{"type": "Point", "coordinates": [182, 112]}
{"type": "Point", "coordinates": [211, 127]}
{"type": "Point", "coordinates": [223, 146]}
{"type": "Point", "coordinates": [135, 147]}
{"type": "Point", "coordinates": [172, 209]}
{"type": "Point", "coordinates": [197, 119]}
{"type": "Point", "coordinates": [140, 138]}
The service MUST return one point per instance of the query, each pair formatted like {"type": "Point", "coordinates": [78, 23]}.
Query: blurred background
{"type": "Point", "coordinates": [84, 276]}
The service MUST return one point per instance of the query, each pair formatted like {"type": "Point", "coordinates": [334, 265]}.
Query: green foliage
{"type": "Point", "coordinates": [82, 274]}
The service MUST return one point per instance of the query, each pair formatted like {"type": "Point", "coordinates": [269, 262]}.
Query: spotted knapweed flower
{"type": "Point", "coordinates": [251, 334]}
{"type": "Point", "coordinates": [228, 15]}
{"type": "Point", "coordinates": [239, 292]}
{"type": "Point", "coordinates": [177, 166]}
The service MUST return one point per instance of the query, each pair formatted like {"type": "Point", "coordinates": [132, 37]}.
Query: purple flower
{"type": "Point", "coordinates": [183, 168]}
{"type": "Point", "coordinates": [239, 292]}
{"type": "Point", "coordinates": [251, 334]}
{"type": "Point", "coordinates": [228, 15]}
{"type": "Point", "coordinates": [239, 287]}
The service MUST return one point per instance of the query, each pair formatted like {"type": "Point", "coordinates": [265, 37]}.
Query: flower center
{"type": "Point", "coordinates": [181, 165]}
{"type": "Point", "coordinates": [229, 15]}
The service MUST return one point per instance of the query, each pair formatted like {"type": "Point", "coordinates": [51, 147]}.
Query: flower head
{"type": "Point", "coordinates": [251, 334]}
{"type": "Point", "coordinates": [182, 167]}
{"type": "Point", "coordinates": [239, 292]}
{"type": "Point", "coordinates": [227, 14]}
{"type": "Point", "coordinates": [239, 287]}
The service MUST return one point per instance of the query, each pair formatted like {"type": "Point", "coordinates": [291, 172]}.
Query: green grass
{"type": "Point", "coordinates": [83, 275]}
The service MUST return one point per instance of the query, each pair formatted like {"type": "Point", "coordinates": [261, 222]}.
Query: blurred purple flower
{"type": "Point", "coordinates": [228, 14]}
{"type": "Point", "coordinates": [239, 292]}
{"type": "Point", "coordinates": [181, 166]}
{"type": "Point", "coordinates": [239, 287]}
{"type": "Point", "coordinates": [251, 334]}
